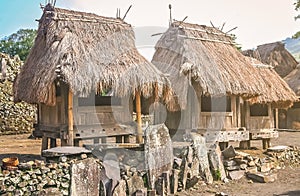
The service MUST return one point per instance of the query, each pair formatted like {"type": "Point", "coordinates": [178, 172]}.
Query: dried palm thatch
{"type": "Point", "coordinates": [293, 80]}
{"type": "Point", "coordinates": [277, 91]}
{"type": "Point", "coordinates": [89, 52]}
{"type": "Point", "coordinates": [276, 55]}
{"type": "Point", "coordinates": [206, 57]}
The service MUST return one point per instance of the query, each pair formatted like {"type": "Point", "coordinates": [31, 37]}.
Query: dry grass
{"type": "Point", "coordinates": [92, 53]}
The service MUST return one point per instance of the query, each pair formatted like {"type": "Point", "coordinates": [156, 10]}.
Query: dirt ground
{"type": "Point", "coordinates": [288, 182]}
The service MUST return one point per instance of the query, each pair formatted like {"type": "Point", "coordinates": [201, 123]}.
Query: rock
{"type": "Point", "coordinates": [236, 175]}
{"type": "Point", "coordinates": [120, 189]}
{"type": "Point", "coordinates": [199, 144]}
{"type": "Point", "coordinates": [87, 169]}
{"type": "Point", "coordinates": [251, 169]}
{"type": "Point", "coordinates": [251, 163]}
{"type": "Point", "coordinates": [216, 162]}
{"type": "Point", "coordinates": [229, 152]}
{"type": "Point", "coordinates": [263, 178]}
{"type": "Point", "coordinates": [243, 166]}
{"type": "Point", "coordinates": [135, 183]}
{"type": "Point", "coordinates": [232, 168]}
{"type": "Point", "coordinates": [229, 163]}
{"type": "Point", "coordinates": [265, 167]}
{"type": "Point", "coordinates": [158, 152]}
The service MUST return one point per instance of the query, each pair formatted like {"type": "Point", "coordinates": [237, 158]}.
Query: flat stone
{"type": "Point", "coordinates": [263, 178]}
{"type": "Point", "coordinates": [229, 152]}
{"type": "Point", "coordinates": [65, 150]}
{"type": "Point", "coordinates": [243, 166]}
{"type": "Point", "coordinates": [236, 175]}
{"type": "Point", "coordinates": [229, 163]}
{"type": "Point", "coordinates": [265, 167]}
{"type": "Point", "coordinates": [232, 168]}
{"type": "Point", "coordinates": [278, 148]}
{"type": "Point", "coordinates": [251, 163]}
{"type": "Point", "coordinates": [251, 169]}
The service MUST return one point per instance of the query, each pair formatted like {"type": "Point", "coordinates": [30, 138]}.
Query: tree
{"type": "Point", "coordinates": [18, 43]}
{"type": "Point", "coordinates": [297, 8]}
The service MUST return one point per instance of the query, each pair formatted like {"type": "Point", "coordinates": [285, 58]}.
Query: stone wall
{"type": "Point", "coordinates": [55, 178]}
{"type": "Point", "coordinates": [15, 118]}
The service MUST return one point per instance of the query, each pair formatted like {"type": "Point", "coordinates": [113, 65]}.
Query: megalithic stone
{"type": "Point", "coordinates": [87, 169]}
{"type": "Point", "coordinates": [158, 152]}
{"type": "Point", "coordinates": [199, 144]}
{"type": "Point", "coordinates": [215, 158]}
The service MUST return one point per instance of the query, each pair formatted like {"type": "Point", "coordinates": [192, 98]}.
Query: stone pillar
{"type": "Point", "coordinates": [85, 178]}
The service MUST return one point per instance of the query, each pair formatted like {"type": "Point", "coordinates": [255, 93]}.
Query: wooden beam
{"type": "Point", "coordinates": [70, 119]}
{"type": "Point", "coordinates": [139, 137]}
{"type": "Point", "coordinates": [234, 111]}
{"type": "Point", "coordinates": [238, 110]}
{"type": "Point", "coordinates": [276, 118]}
{"type": "Point", "coordinates": [271, 116]}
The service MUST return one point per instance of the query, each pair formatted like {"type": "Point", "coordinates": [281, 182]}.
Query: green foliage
{"type": "Point", "coordinates": [217, 175]}
{"type": "Point", "coordinates": [297, 8]}
{"type": "Point", "coordinates": [18, 43]}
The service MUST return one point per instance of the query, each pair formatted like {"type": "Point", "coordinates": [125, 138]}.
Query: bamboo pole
{"type": "Point", "coordinates": [70, 119]}
{"type": "Point", "coordinates": [139, 137]}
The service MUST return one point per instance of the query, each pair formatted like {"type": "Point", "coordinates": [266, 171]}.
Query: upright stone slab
{"type": "Point", "coordinates": [85, 178]}
{"type": "Point", "coordinates": [199, 144]}
{"type": "Point", "coordinates": [215, 157]}
{"type": "Point", "coordinates": [158, 152]}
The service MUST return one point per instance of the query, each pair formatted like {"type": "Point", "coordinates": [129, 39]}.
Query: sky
{"type": "Point", "coordinates": [257, 21]}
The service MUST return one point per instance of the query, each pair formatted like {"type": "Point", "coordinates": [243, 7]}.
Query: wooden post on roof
{"type": "Point", "coordinates": [139, 137]}
{"type": "Point", "coordinates": [70, 119]}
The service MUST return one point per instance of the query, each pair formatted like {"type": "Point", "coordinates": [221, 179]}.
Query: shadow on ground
{"type": "Point", "coordinates": [21, 157]}
{"type": "Point", "coordinates": [290, 193]}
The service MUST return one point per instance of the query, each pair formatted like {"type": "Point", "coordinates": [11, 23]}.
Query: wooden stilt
{"type": "Point", "coordinates": [70, 119]}
{"type": "Point", "coordinates": [139, 137]}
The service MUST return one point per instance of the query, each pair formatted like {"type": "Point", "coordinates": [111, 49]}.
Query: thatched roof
{"type": "Point", "coordinates": [293, 80]}
{"type": "Point", "coordinates": [89, 52]}
{"type": "Point", "coordinates": [207, 57]}
{"type": "Point", "coordinates": [276, 55]}
{"type": "Point", "coordinates": [277, 91]}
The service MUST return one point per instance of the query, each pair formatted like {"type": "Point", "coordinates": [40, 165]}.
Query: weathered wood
{"type": "Point", "coordinates": [70, 119]}
{"type": "Point", "coordinates": [276, 119]}
{"type": "Point", "coordinates": [44, 143]}
{"type": "Point", "coordinates": [266, 143]}
{"type": "Point", "coordinates": [239, 111]}
{"type": "Point", "coordinates": [139, 137]}
{"type": "Point", "coordinates": [234, 111]}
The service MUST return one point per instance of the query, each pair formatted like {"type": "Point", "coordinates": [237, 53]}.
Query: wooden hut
{"type": "Point", "coordinates": [290, 119]}
{"type": "Point", "coordinates": [210, 77]}
{"type": "Point", "coordinates": [276, 55]}
{"type": "Point", "coordinates": [77, 57]}
{"type": "Point", "coordinates": [261, 113]}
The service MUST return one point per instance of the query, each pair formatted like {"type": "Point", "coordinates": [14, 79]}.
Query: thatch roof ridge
{"type": "Point", "coordinates": [277, 91]}
{"type": "Point", "coordinates": [293, 80]}
{"type": "Point", "coordinates": [278, 56]}
{"type": "Point", "coordinates": [205, 55]}
{"type": "Point", "coordinates": [88, 52]}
